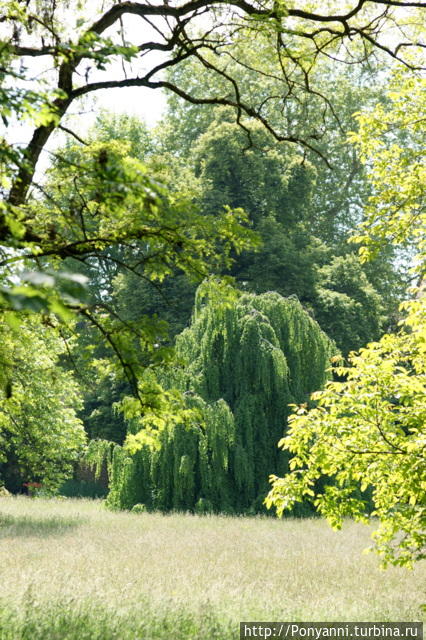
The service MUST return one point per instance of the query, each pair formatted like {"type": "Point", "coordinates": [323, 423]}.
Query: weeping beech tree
{"type": "Point", "coordinates": [243, 362]}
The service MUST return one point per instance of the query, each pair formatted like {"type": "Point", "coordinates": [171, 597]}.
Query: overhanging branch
{"type": "Point", "coordinates": [177, 39]}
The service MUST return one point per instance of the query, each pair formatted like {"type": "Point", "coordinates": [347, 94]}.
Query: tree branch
{"type": "Point", "coordinates": [182, 14]}
{"type": "Point", "coordinates": [72, 133]}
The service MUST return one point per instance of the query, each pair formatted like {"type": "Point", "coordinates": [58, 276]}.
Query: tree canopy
{"type": "Point", "coordinates": [368, 430]}
{"type": "Point", "coordinates": [106, 208]}
{"type": "Point", "coordinates": [243, 359]}
{"type": "Point", "coordinates": [75, 45]}
{"type": "Point", "coordinates": [77, 49]}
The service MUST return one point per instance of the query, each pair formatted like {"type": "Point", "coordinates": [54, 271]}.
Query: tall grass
{"type": "Point", "coordinates": [70, 570]}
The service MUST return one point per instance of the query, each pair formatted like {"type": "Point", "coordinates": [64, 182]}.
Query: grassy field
{"type": "Point", "coordinates": [71, 570]}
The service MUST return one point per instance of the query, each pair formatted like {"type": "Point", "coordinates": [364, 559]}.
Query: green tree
{"type": "Point", "coordinates": [276, 186]}
{"type": "Point", "coordinates": [103, 202]}
{"type": "Point", "coordinates": [103, 198]}
{"type": "Point", "coordinates": [335, 192]}
{"type": "Point", "coordinates": [347, 306]}
{"type": "Point", "coordinates": [67, 40]}
{"type": "Point", "coordinates": [368, 431]}
{"type": "Point", "coordinates": [41, 436]}
{"type": "Point", "coordinates": [243, 360]}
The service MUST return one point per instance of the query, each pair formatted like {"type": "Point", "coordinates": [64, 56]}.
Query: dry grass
{"type": "Point", "coordinates": [200, 572]}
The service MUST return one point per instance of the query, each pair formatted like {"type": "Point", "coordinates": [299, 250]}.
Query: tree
{"type": "Point", "coordinates": [102, 198]}
{"type": "Point", "coordinates": [41, 436]}
{"type": "Point", "coordinates": [347, 306]}
{"type": "Point", "coordinates": [244, 358]}
{"type": "Point", "coordinates": [341, 187]}
{"type": "Point", "coordinates": [367, 431]}
{"type": "Point", "coordinates": [97, 205]}
{"type": "Point", "coordinates": [395, 212]}
{"type": "Point", "coordinates": [64, 37]}
{"type": "Point", "coordinates": [292, 39]}
{"type": "Point", "coordinates": [275, 186]}
{"type": "Point", "coordinates": [304, 210]}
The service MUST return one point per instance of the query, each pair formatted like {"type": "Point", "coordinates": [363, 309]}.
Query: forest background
{"type": "Point", "coordinates": [169, 293]}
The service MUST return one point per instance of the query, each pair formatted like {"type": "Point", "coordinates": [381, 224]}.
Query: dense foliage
{"type": "Point", "coordinates": [126, 206]}
{"type": "Point", "coordinates": [369, 429]}
{"type": "Point", "coordinates": [41, 436]}
{"type": "Point", "coordinates": [275, 186]}
{"type": "Point", "coordinates": [243, 361]}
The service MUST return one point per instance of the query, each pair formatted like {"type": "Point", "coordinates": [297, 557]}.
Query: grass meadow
{"type": "Point", "coordinates": [71, 570]}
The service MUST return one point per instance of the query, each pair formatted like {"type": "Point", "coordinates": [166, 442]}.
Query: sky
{"type": "Point", "coordinates": [147, 104]}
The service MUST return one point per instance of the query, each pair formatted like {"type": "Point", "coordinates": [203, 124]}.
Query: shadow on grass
{"type": "Point", "coordinates": [28, 526]}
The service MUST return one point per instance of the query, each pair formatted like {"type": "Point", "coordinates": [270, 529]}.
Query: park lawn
{"type": "Point", "coordinates": [71, 570]}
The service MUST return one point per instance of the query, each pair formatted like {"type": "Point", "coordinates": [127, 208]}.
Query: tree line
{"type": "Point", "coordinates": [250, 177]}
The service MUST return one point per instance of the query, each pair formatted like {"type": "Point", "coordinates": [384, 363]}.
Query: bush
{"type": "Point", "coordinates": [138, 508]}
